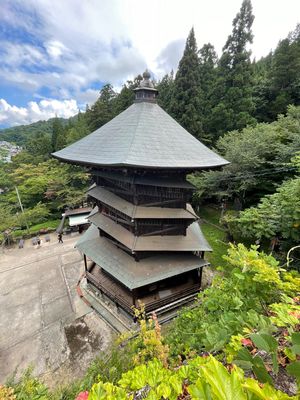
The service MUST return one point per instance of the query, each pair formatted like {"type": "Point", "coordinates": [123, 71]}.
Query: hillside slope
{"type": "Point", "coordinates": [20, 134]}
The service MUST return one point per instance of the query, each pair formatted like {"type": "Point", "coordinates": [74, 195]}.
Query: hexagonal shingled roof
{"type": "Point", "coordinates": [144, 136]}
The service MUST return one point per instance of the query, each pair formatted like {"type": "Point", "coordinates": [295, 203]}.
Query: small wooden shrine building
{"type": "Point", "coordinates": [144, 240]}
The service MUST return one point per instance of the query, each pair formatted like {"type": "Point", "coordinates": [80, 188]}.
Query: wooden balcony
{"type": "Point", "coordinates": [126, 299]}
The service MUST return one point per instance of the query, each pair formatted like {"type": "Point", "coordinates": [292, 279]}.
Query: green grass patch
{"type": "Point", "coordinates": [210, 214]}
{"type": "Point", "coordinates": [51, 224]}
{"type": "Point", "coordinates": [217, 240]}
{"type": "Point", "coordinates": [216, 236]}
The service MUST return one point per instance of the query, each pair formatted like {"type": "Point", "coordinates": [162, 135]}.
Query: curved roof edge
{"type": "Point", "coordinates": [125, 165]}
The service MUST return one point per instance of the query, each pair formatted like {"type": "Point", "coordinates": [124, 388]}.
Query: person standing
{"type": "Point", "coordinates": [60, 238]}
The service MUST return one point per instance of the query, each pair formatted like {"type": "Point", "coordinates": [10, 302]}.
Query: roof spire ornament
{"type": "Point", "coordinates": [146, 91]}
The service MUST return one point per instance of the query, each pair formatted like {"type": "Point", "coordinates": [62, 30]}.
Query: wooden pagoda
{"type": "Point", "coordinates": [144, 241]}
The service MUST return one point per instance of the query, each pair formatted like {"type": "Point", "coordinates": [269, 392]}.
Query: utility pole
{"type": "Point", "coordinates": [22, 209]}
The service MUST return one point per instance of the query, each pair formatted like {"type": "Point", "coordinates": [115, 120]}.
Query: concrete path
{"type": "Point", "coordinates": [43, 322]}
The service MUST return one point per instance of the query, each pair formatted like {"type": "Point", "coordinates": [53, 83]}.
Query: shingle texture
{"type": "Point", "coordinates": [143, 135]}
{"type": "Point", "coordinates": [126, 270]}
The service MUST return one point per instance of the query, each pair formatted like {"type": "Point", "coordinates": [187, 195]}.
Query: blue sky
{"type": "Point", "coordinates": [56, 54]}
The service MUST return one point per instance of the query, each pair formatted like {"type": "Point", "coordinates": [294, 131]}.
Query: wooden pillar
{"type": "Point", "coordinates": [200, 275]}
{"type": "Point", "coordinates": [85, 263]}
{"type": "Point", "coordinates": [134, 297]}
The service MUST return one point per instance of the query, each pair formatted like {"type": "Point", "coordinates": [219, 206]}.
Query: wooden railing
{"type": "Point", "coordinates": [169, 299]}
{"type": "Point", "coordinates": [149, 306]}
{"type": "Point", "coordinates": [113, 296]}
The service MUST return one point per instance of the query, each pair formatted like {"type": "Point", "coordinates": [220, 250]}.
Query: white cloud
{"type": "Point", "coordinates": [170, 56]}
{"type": "Point", "coordinates": [16, 55]}
{"type": "Point", "coordinates": [83, 42]}
{"type": "Point", "coordinates": [35, 111]}
{"type": "Point", "coordinates": [88, 96]}
{"type": "Point", "coordinates": [55, 49]}
{"type": "Point", "coordinates": [114, 40]}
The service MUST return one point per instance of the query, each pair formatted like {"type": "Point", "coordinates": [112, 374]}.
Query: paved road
{"type": "Point", "coordinates": [43, 322]}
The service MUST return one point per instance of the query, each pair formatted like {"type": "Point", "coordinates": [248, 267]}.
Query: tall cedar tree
{"type": "Point", "coordinates": [58, 133]}
{"type": "Point", "coordinates": [235, 107]}
{"type": "Point", "coordinates": [186, 97]}
{"type": "Point", "coordinates": [126, 97]}
{"type": "Point", "coordinates": [208, 60]}
{"type": "Point", "coordinates": [102, 110]}
{"type": "Point", "coordinates": [285, 73]}
{"type": "Point", "coordinates": [165, 89]}
{"type": "Point", "coordinates": [277, 79]}
{"type": "Point", "coordinates": [261, 90]}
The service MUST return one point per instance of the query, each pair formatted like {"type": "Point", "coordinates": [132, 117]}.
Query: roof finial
{"type": "Point", "coordinates": [146, 74]}
{"type": "Point", "coordinates": [146, 91]}
{"type": "Point", "coordinates": [146, 81]}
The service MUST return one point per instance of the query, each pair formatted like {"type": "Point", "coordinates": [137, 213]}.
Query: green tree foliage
{"type": "Point", "coordinates": [238, 299]}
{"type": "Point", "coordinates": [261, 88]}
{"type": "Point", "coordinates": [102, 111]}
{"type": "Point", "coordinates": [126, 97]}
{"type": "Point", "coordinates": [233, 91]}
{"type": "Point", "coordinates": [278, 78]}
{"type": "Point", "coordinates": [40, 146]}
{"type": "Point", "coordinates": [8, 218]}
{"type": "Point", "coordinates": [259, 159]}
{"type": "Point", "coordinates": [285, 73]}
{"type": "Point", "coordinates": [45, 188]}
{"type": "Point", "coordinates": [38, 213]}
{"type": "Point", "coordinates": [208, 60]}
{"type": "Point", "coordinates": [58, 135]}
{"type": "Point", "coordinates": [77, 129]}
{"type": "Point", "coordinates": [165, 89]}
{"type": "Point", "coordinates": [276, 215]}
{"type": "Point", "coordinates": [22, 133]}
{"type": "Point", "coordinates": [186, 98]}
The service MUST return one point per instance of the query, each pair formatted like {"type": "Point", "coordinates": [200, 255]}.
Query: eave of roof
{"type": "Point", "coordinates": [126, 270]}
{"type": "Point", "coordinates": [138, 212]}
{"type": "Point", "coordinates": [193, 241]}
{"type": "Point", "coordinates": [173, 182]}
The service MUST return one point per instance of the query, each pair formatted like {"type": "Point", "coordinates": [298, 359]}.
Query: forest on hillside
{"type": "Point", "coordinates": [241, 338]}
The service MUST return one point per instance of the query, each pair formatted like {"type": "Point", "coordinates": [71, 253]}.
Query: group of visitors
{"type": "Point", "coordinates": [37, 241]}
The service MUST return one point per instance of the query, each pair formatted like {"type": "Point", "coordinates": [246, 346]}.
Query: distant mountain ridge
{"type": "Point", "coordinates": [21, 133]}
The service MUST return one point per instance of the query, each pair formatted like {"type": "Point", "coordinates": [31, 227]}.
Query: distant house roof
{"type": "Point", "coordinates": [77, 211]}
{"type": "Point", "coordinates": [144, 136]}
{"type": "Point", "coordinates": [76, 220]}
{"type": "Point", "coordinates": [131, 273]}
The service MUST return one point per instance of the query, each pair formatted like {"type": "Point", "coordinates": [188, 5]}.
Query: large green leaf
{"type": "Point", "coordinates": [244, 359]}
{"type": "Point", "coordinates": [296, 342]}
{"type": "Point", "coordinates": [294, 369]}
{"type": "Point", "coordinates": [264, 342]}
{"type": "Point", "coordinates": [266, 392]}
{"type": "Point", "coordinates": [260, 371]}
{"type": "Point", "coordinates": [200, 390]}
{"type": "Point", "coordinates": [224, 386]}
